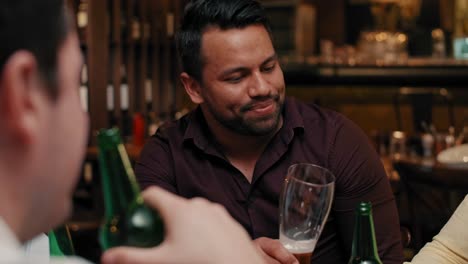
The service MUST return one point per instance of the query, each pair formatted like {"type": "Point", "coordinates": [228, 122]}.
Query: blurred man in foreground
{"type": "Point", "coordinates": [43, 139]}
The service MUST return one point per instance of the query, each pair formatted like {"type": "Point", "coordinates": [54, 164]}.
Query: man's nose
{"type": "Point", "coordinates": [259, 86]}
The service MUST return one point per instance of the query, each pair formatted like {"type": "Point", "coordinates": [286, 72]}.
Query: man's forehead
{"type": "Point", "coordinates": [238, 44]}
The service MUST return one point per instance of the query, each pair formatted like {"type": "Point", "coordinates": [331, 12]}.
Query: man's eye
{"type": "Point", "coordinates": [234, 79]}
{"type": "Point", "coordinates": [269, 68]}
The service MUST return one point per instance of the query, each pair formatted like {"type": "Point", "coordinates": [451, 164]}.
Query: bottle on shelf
{"type": "Point", "coordinates": [450, 138]}
{"type": "Point", "coordinates": [82, 20]}
{"type": "Point", "coordinates": [427, 140]}
{"type": "Point", "coordinates": [84, 88]}
{"type": "Point", "coordinates": [123, 21]}
{"type": "Point", "coordinates": [438, 44]}
{"type": "Point", "coordinates": [364, 247]}
{"type": "Point", "coordinates": [462, 138]}
{"type": "Point", "coordinates": [138, 130]}
{"type": "Point", "coordinates": [124, 103]}
{"type": "Point", "coordinates": [136, 28]}
{"type": "Point", "coordinates": [128, 221]}
{"type": "Point", "coordinates": [110, 104]}
{"type": "Point", "coordinates": [146, 31]}
{"type": "Point", "coordinates": [152, 121]}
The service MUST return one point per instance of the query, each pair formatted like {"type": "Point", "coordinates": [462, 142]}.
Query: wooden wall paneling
{"type": "Point", "coordinates": [142, 56]}
{"type": "Point", "coordinates": [156, 18]}
{"type": "Point", "coordinates": [331, 20]}
{"type": "Point", "coordinates": [130, 56]}
{"type": "Point", "coordinates": [97, 57]}
{"type": "Point", "coordinates": [117, 54]}
{"type": "Point", "coordinates": [178, 90]}
{"type": "Point", "coordinates": [166, 93]}
{"type": "Point", "coordinates": [447, 15]}
{"type": "Point", "coordinates": [178, 7]}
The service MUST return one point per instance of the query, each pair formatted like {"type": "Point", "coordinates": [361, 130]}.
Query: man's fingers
{"type": "Point", "coordinates": [162, 200]}
{"type": "Point", "coordinates": [278, 252]}
{"type": "Point", "coordinates": [266, 258]}
{"type": "Point", "coordinates": [130, 255]}
{"type": "Point", "coordinates": [274, 249]}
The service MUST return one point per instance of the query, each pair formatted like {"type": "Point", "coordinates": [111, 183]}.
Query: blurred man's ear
{"type": "Point", "coordinates": [192, 87]}
{"type": "Point", "coordinates": [19, 97]}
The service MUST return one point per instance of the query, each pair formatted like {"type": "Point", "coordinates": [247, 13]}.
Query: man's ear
{"type": "Point", "coordinates": [19, 84]}
{"type": "Point", "coordinates": [192, 87]}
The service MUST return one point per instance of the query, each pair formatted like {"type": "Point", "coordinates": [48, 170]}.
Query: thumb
{"type": "Point", "coordinates": [130, 255]}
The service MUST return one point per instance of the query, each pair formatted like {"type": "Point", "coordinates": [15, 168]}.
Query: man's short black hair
{"type": "Point", "coordinates": [37, 26]}
{"type": "Point", "coordinates": [200, 15]}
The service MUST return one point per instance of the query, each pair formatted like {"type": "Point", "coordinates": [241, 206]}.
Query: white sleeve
{"type": "Point", "coordinates": [450, 246]}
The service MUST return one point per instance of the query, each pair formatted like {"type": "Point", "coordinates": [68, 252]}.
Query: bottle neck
{"type": "Point", "coordinates": [364, 243]}
{"type": "Point", "coordinates": [118, 180]}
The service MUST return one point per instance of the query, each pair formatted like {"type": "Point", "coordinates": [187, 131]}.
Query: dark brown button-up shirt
{"type": "Point", "coordinates": [183, 158]}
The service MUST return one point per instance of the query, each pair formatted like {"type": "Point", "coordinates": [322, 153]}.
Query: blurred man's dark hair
{"type": "Point", "coordinates": [38, 26]}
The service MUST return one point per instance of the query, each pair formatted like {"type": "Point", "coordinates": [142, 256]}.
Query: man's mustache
{"type": "Point", "coordinates": [253, 103]}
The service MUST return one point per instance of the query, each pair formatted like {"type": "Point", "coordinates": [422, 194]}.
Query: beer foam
{"type": "Point", "coordinates": [298, 246]}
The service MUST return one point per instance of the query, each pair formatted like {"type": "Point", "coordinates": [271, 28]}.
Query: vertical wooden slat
{"type": "Point", "coordinates": [181, 99]}
{"type": "Point", "coordinates": [143, 58]}
{"type": "Point", "coordinates": [175, 10]}
{"type": "Point", "coordinates": [97, 53]}
{"type": "Point", "coordinates": [130, 59]}
{"type": "Point", "coordinates": [331, 20]}
{"type": "Point", "coordinates": [156, 36]}
{"type": "Point", "coordinates": [117, 58]}
{"type": "Point", "coordinates": [166, 91]}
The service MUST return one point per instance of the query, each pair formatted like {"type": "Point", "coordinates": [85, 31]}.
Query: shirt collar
{"type": "Point", "coordinates": [197, 130]}
{"type": "Point", "coordinates": [292, 118]}
{"type": "Point", "coordinates": [9, 244]}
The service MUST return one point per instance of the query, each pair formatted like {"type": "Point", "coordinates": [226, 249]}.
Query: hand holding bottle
{"type": "Point", "coordinates": [197, 231]}
{"type": "Point", "coordinates": [127, 220]}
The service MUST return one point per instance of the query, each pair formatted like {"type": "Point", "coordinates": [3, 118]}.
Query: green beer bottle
{"type": "Point", "coordinates": [128, 222]}
{"type": "Point", "coordinates": [364, 249]}
{"type": "Point", "coordinates": [60, 243]}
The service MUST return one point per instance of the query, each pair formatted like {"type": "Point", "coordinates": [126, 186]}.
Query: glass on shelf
{"type": "Point", "coordinates": [326, 51]}
{"type": "Point", "coordinates": [382, 48]}
{"type": "Point", "coordinates": [438, 44]}
{"type": "Point", "coordinates": [84, 88]}
{"type": "Point", "coordinates": [136, 29]}
{"type": "Point", "coordinates": [397, 144]}
{"type": "Point", "coordinates": [463, 136]}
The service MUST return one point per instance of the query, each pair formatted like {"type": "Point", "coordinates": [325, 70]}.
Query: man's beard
{"type": "Point", "coordinates": [252, 126]}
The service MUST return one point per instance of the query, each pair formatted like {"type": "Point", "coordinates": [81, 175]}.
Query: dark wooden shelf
{"type": "Point", "coordinates": [415, 72]}
{"type": "Point", "coordinates": [132, 150]}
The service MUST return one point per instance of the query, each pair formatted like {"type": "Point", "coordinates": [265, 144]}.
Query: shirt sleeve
{"type": "Point", "coordinates": [154, 165]}
{"type": "Point", "coordinates": [451, 244]}
{"type": "Point", "coordinates": [360, 176]}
